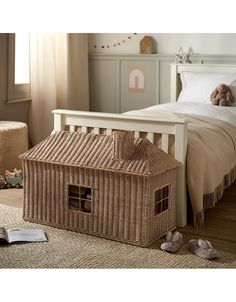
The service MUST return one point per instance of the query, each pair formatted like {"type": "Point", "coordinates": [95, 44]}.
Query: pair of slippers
{"type": "Point", "coordinates": [200, 247]}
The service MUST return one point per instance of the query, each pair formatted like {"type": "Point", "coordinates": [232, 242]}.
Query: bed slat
{"type": "Point", "coordinates": [84, 129]}
{"type": "Point", "coordinates": [165, 142]}
{"type": "Point", "coordinates": [72, 128]}
{"type": "Point", "coordinates": [96, 130]}
{"type": "Point", "coordinates": [109, 131]}
{"type": "Point", "coordinates": [150, 136]}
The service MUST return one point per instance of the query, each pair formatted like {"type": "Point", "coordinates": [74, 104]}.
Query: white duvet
{"type": "Point", "coordinates": [226, 114]}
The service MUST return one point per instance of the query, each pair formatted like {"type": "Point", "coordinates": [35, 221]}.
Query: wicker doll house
{"type": "Point", "coordinates": [112, 186]}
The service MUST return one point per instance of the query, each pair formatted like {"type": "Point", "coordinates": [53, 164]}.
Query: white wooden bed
{"type": "Point", "coordinates": [164, 125]}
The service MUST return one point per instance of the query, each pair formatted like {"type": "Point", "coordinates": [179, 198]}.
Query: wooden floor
{"type": "Point", "coordinates": [219, 226]}
{"type": "Point", "coordinates": [220, 223]}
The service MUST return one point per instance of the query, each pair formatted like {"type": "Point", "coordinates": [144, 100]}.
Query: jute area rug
{"type": "Point", "coordinates": [67, 249]}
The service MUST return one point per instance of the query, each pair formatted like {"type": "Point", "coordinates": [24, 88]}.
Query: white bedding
{"type": "Point", "coordinates": [226, 114]}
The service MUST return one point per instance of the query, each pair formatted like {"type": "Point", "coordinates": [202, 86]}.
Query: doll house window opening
{"type": "Point", "coordinates": [162, 199]}
{"type": "Point", "coordinates": [79, 198]}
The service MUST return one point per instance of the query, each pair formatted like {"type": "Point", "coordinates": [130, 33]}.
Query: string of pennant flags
{"type": "Point", "coordinates": [110, 45]}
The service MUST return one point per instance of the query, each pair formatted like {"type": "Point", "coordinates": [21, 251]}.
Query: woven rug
{"type": "Point", "coordinates": [67, 249]}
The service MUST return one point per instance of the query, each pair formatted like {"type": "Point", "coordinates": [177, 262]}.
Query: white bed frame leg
{"type": "Point", "coordinates": [181, 192]}
{"type": "Point", "coordinates": [181, 198]}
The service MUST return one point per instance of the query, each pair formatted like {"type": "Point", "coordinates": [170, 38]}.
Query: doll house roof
{"type": "Point", "coordinates": [96, 151]}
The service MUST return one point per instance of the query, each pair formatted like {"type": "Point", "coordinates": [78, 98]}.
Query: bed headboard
{"type": "Point", "coordinates": [176, 69]}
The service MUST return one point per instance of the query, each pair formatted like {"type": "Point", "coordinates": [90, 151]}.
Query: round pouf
{"type": "Point", "coordinates": [13, 142]}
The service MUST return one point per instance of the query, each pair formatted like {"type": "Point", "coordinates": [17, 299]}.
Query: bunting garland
{"type": "Point", "coordinates": [119, 43]}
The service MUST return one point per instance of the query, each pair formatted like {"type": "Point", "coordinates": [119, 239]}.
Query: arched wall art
{"type": "Point", "coordinates": [136, 78]}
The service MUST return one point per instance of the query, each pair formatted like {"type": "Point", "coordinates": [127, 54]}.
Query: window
{"type": "Point", "coordinates": [18, 68]}
{"type": "Point", "coordinates": [22, 74]}
{"type": "Point", "coordinates": [79, 198]}
{"type": "Point", "coordinates": [161, 199]}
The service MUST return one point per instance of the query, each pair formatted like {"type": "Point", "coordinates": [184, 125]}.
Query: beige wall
{"type": "Point", "coordinates": [18, 111]}
{"type": "Point", "coordinates": [166, 43]}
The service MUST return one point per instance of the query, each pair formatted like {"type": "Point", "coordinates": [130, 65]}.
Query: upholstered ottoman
{"type": "Point", "coordinates": [13, 142]}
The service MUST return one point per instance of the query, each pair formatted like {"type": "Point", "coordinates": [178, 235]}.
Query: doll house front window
{"type": "Point", "coordinates": [79, 198]}
{"type": "Point", "coordinates": [161, 199]}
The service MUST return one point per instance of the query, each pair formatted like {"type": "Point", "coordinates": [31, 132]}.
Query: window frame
{"type": "Point", "coordinates": [79, 199]}
{"type": "Point", "coordinates": [15, 92]}
{"type": "Point", "coordinates": [162, 200]}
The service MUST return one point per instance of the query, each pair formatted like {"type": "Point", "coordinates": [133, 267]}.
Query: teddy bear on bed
{"type": "Point", "coordinates": [222, 96]}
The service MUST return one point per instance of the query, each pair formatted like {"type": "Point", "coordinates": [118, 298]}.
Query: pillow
{"type": "Point", "coordinates": [197, 86]}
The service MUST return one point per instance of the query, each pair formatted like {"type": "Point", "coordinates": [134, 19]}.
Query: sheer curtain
{"type": "Point", "coordinates": [59, 78]}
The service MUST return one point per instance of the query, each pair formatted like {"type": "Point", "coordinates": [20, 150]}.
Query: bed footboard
{"type": "Point", "coordinates": [164, 126]}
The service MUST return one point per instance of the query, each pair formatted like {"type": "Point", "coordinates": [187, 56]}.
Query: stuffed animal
{"type": "Point", "coordinates": [9, 174]}
{"type": "Point", "coordinates": [16, 173]}
{"type": "Point", "coordinates": [222, 96]}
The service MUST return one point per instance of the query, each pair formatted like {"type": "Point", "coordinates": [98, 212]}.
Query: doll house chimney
{"type": "Point", "coordinates": [123, 144]}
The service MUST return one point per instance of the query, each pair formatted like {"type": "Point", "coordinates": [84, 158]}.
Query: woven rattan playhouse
{"type": "Point", "coordinates": [113, 186]}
